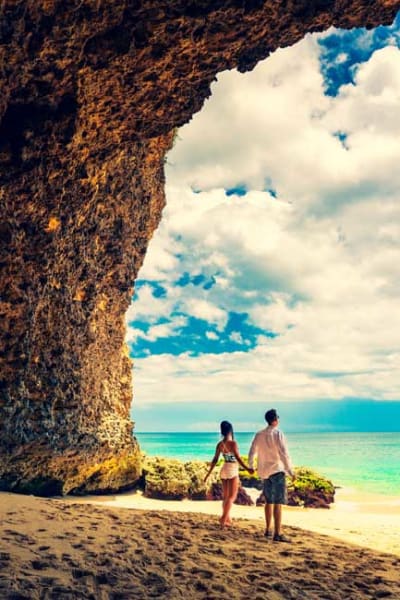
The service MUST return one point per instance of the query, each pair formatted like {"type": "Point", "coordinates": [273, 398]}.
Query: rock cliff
{"type": "Point", "coordinates": [91, 92]}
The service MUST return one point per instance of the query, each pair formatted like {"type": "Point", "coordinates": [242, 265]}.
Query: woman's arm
{"type": "Point", "coordinates": [214, 460]}
{"type": "Point", "coordinates": [237, 456]}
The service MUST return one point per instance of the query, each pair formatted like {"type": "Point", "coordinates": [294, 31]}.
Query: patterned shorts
{"type": "Point", "coordinates": [275, 489]}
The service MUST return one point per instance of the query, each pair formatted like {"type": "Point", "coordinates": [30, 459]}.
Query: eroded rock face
{"type": "Point", "coordinates": [91, 92]}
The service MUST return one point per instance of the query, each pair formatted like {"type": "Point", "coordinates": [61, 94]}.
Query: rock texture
{"type": "Point", "coordinates": [91, 92]}
{"type": "Point", "coordinates": [171, 479]}
{"type": "Point", "coordinates": [242, 498]}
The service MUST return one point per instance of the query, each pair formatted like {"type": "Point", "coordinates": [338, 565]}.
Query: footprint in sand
{"type": "Point", "coordinates": [202, 572]}
{"type": "Point", "coordinates": [21, 538]}
{"type": "Point", "coordinates": [217, 587]}
{"type": "Point", "coordinates": [46, 581]}
{"type": "Point", "coordinates": [115, 518]}
{"type": "Point", "coordinates": [66, 557]}
{"type": "Point", "coordinates": [173, 556]}
{"type": "Point", "coordinates": [181, 537]}
{"type": "Point", "coordinates": [253, 577]}
{"type": "Point", "coordinates": [39, 565]}
{"type": "Point", "coordinates": [4, 556]}
{"type": "Point", "coordinates": [17, 596]}
{"type": "Point", "coordinates": [104, 562]}
{"type": "Point", "coordinates": [104, 578]}
{"type": "Point", "coordinates": [50, 556]}
{"type": "Point", "coordinates": [362, 585]}
{"type": "Point", "coordinates": [80, 573]}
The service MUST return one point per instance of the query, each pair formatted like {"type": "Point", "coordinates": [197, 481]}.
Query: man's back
{"type": "Point", "coordinates": [272, 455]}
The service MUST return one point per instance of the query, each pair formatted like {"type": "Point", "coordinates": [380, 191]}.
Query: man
{"type": "Point", "coordinates": [273, 461]}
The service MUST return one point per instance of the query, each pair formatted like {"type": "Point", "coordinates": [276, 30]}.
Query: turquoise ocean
{"type": "Point", "coordinates": [366, 462]}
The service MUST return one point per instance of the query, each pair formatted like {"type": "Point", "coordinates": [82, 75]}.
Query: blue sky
{"type": "Point", "coordinates": [273, 277]}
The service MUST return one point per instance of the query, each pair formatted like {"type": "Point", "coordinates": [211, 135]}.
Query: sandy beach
{"type": "Point", "coordinates": [127, 546]}
{"type": "Point", "coordinates": [372, 521]}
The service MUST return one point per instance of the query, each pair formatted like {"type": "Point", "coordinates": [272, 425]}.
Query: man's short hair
{"type": "Point", "coordinates": [271, 416]}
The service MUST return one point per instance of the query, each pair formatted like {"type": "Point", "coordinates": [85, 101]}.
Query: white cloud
{"type": "Point", "coordinates": [201, 309]}
{"type": "Point", "coordinates": [211, 335]}
{"type": "Point", "coordinates": [148, 307]}
{"type": "Point", "coordinates": [319, 266]}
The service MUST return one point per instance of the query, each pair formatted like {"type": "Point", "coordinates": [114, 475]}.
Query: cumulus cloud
{"type": "Point", "coordinates": [308, 256]}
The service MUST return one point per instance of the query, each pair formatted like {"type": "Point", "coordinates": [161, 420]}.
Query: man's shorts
{"type": "Point", "coordinates": [275, 489]}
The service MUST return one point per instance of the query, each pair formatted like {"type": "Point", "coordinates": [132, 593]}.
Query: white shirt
{"type": "Point", "coordinates": [269, 446]}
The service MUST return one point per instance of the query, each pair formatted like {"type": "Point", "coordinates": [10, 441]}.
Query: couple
{"type": "Point", "coordinates": [273, 462]}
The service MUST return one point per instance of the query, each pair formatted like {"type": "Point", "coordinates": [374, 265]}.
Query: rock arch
{"type": "Point", "coordinates": [91, 92]}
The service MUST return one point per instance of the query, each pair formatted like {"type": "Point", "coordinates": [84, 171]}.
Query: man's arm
{"type": "Point", "coordinates": [284, 454]}
{"type": "Point", "coordinates": [238, 458]}
{"type": "Point", "coordinates": [252, 452]}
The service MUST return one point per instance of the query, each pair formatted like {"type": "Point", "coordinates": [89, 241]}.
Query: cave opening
{"type": "Point", "coordinates": [273, 272]}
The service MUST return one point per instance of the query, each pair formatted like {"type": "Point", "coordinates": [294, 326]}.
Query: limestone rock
{"type": "Point", "coordinates": [171, 479]}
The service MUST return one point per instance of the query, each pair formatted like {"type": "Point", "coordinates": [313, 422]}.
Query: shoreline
{"type": "Point", "coordinates": [367, 520]}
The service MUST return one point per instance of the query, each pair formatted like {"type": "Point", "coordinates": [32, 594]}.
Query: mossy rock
{"type": "Point", "coordinates": [196, 471]}
{"type": "Point", "coordinates": [171, 479]}
{"type": "Point", "coordinates": [165, 479]}
{"type": "Point", "coordinates": [310, 489]}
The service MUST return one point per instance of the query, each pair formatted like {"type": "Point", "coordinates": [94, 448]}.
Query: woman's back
{"type": "Point", "coordinates": [227, 448]}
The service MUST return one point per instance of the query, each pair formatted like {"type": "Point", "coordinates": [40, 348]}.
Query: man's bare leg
{"type": "Point", "coordinates": [268, 516]}
{"type": "Point", "coordinates": [277, 518]}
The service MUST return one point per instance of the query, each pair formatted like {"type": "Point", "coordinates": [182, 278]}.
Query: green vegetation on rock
{"type": "Point", "coordinates": [165, 478]}
{"type": "Point", "coordinates": [171, 479]}
{"type": "Point", "coordinates": [196, 471]}
{"type": "Point", "coordinates": [310, 489]}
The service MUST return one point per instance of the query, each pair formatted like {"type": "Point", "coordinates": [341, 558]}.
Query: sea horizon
{"type": "Point", "coordinates": [188, 431]}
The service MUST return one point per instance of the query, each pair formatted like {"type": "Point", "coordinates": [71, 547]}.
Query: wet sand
{"type": "Point", "coordinates": [64, 549]}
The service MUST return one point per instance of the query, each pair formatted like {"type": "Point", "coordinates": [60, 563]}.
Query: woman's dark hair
{"type": "Point", "coordinates": [226, 428]}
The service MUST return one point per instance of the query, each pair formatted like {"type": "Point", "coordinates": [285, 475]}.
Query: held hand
{"type": "Point", "coordinates": [293, 477]}
{"type": "Point", "coordinates": [251, 471]}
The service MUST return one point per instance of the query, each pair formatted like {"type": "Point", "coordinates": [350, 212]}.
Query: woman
{"type": "Point", "coordinates": [230, 470]}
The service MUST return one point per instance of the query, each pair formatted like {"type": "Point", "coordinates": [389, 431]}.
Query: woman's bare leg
{"type": "Point", "coordinates": [232, 490]}
{"type": "Point", "coordinates": [225, 494]}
